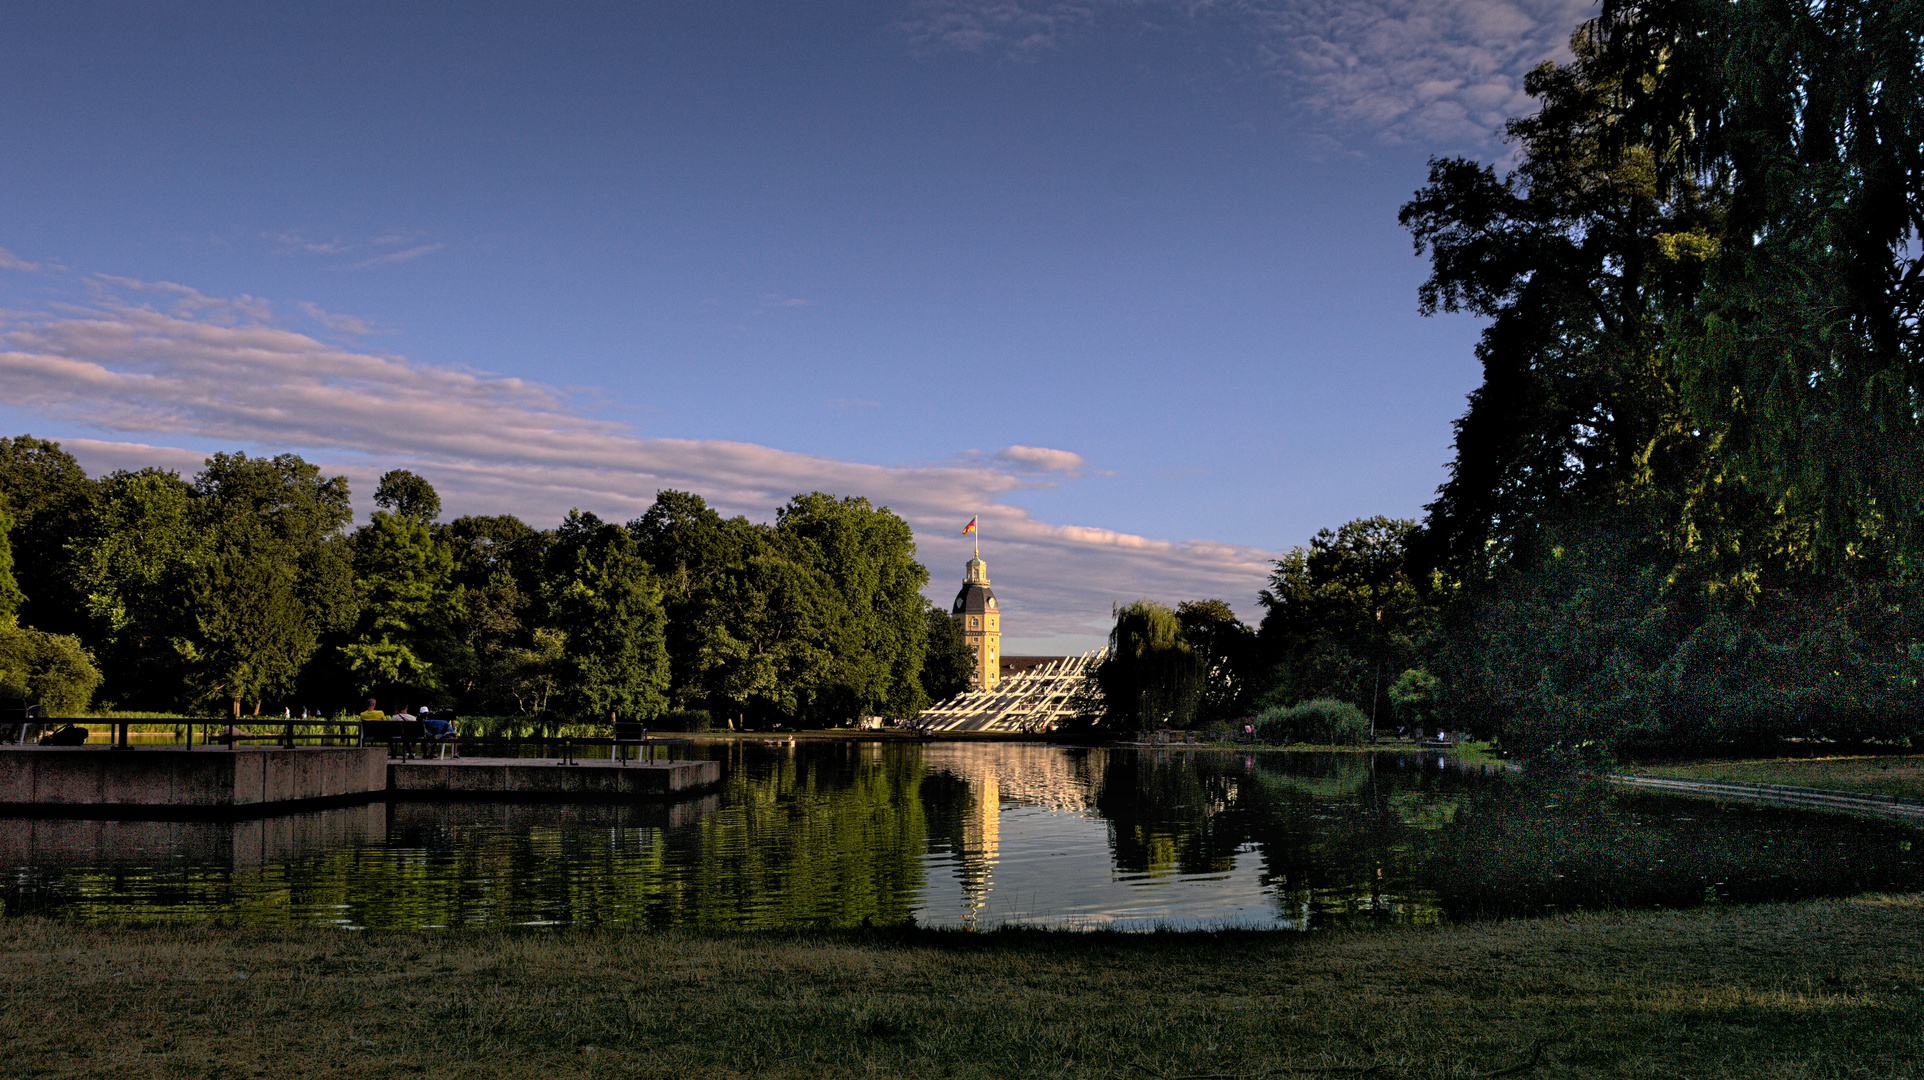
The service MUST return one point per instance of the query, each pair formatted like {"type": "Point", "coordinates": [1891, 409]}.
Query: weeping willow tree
{"type": "Point", "coordinates": [1152, 676]}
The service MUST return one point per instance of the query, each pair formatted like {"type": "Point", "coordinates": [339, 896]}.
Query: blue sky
{"type": "Point", "coordinates": [1122, 276]}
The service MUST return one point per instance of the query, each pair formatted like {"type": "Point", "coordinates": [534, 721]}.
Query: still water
{"type": "Point", "coordinates": [972, 835]}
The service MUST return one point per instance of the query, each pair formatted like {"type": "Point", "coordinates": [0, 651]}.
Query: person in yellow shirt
{"type": "Point", "coordinates": [372, 714]}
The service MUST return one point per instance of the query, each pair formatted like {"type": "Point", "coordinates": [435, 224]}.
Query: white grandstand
{"type": "Point", "coordinates": [1031, 702]}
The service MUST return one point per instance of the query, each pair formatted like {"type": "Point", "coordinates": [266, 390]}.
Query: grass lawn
{"type": "Point", "coordinates": [1819, 989]}
{"type": "Point", "coordinates": [1902, 776]}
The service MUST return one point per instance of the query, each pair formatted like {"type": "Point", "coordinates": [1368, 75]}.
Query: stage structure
{"type": "Point", "coordinates": [1032, 702]}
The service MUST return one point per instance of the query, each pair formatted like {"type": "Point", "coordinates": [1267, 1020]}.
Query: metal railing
{"type": "Point", "coordinates": [18, 726]}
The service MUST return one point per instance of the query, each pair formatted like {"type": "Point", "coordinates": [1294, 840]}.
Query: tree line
{"type": "Point", "coordinates": [248, 585]}
{"type": "Point", "coordinates": [1686, 504]}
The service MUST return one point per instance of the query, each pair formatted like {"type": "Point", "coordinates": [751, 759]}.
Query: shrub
{"type": "Point", "coordinates": [1323, 720]}
{"type": "Point", "coordinates": [690, 720]}
{"type": "Point", "coordinates": [50, 669]}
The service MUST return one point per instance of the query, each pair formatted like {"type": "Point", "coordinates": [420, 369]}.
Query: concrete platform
{"type": "Point", "coordinates": [548, 778]}
{"type": "Point", "coordinates": [229, 841]}
{"type": "Point", "coordinates": [54, 779]}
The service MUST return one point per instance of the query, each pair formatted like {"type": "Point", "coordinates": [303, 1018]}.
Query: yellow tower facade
{"type": "Point", "coordinates": [981, 624]}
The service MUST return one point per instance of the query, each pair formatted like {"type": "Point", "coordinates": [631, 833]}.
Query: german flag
{"type": "Point", "coordinates": [969, 528]}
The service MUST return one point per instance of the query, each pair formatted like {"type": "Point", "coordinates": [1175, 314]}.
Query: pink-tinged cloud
{"type": "Point", "coordinates": [1040, 459]}
{"type": "Point", "coordinates": [179, 383]}
{"type": "Point", "coordinates": [10, 261]}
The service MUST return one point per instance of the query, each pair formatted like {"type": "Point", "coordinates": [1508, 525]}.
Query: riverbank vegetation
{"type": "Point", "coordinates": [1817, 989]}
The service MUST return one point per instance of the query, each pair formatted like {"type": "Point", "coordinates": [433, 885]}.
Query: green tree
{"type": "Point", "coordinates": [1685, 500]}
{"type": "Point", "coordinates": [764, 625]}
{"type": "Point", "coordinates": [409, 605]}
{"type": "Point", "coordinates": [498, 566]}
{"type": "Point", "coordinates": [276, 576]}
{"type": "Point", "coordinates": [1574, 257]}
{"type": "Point", "coordinates": [532, 675]}
{"type": "Point", "coordinates": [949, 663]}
{"type": "Point", "coordinates": [408, 496]}
{"type": "Point", "coordinates": [50, 498]}
{"type": "Point", "coordinates": [601, 595]}
{"type": "Point", "coordinates": [861, 559]}
{"type": "Point", "coordinates": [134, 564]}
{"type": "Point", "coordinates": [1343, 615]}
{"type": "Point", "coordinates": [10, 595]}
{"type": "Point", "coordinates": [1804, 353]}
{"type": "Point", "coordinates": [690, 547]}
{"type": "Point", "coordinates": [52, 670]}
{"type": "Point", "coordinates": [1151, 676]}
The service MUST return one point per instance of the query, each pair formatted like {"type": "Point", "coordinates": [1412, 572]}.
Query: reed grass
{"type": "Point", "coordinates": [1818, 989]}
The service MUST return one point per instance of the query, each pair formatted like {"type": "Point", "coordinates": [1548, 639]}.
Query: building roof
{"type": "Point", "coordinates": [974, 600]}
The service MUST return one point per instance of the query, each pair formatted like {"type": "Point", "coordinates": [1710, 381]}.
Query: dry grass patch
{"type": "Point", "coordinates": [1821, 989]}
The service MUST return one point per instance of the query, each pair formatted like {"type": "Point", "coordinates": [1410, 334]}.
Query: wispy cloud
{"type": "Point", "coordinates": [1436, 72]}
{"type": "Point", "coordinates": [292, 242]}
{"type": "Point", "coordinates": [347, 324]}
{"type": "Point", "coordinates": [10, 261]}
{"type": "Point", "coordinates": [186, 301]}
{"type": "Point", "coordinates": [162, 370]}
{"type": "Point", "coordinates": [1040, 459]}
{"type": "Point", "coordinates": [1015, 28]}
{"type": "Point", "coordinates": [404, 255]}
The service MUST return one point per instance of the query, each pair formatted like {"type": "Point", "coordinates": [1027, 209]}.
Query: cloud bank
{"type": "Point", "coordinates": [1434, 72]}
{"type": "Point", "coordinates": [168, 374]}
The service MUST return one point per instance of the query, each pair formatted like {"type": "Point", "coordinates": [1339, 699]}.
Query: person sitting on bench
{"type": "Point", "coordinates": [437, 728]}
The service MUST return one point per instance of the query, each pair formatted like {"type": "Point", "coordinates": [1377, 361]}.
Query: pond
{"type": "Point", "coordinates": [971, 835]}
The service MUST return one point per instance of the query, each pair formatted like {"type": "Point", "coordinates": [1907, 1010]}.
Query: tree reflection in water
{"type": "Point", "coordinates": [845, 833]}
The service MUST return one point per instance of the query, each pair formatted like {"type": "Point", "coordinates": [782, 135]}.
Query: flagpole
{"type": "Point", "coordinates": [977, 534]}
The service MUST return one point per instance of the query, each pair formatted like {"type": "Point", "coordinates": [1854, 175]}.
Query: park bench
{"type": "Point", "coordinates": [629, 733]}
{"type": "Point", "coordinates": [402, 737]}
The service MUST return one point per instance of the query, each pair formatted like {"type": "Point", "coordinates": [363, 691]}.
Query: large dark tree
{"type": "Point", "coordinates": [1693, 462]}
{"type": "Point", "coordinates": [1574, 257]}
{"type": "Point", "coordinates": [50, 499]}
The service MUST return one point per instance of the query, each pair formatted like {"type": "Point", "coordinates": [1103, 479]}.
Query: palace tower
{"type": "Point", "coordinates": [981, 624]}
